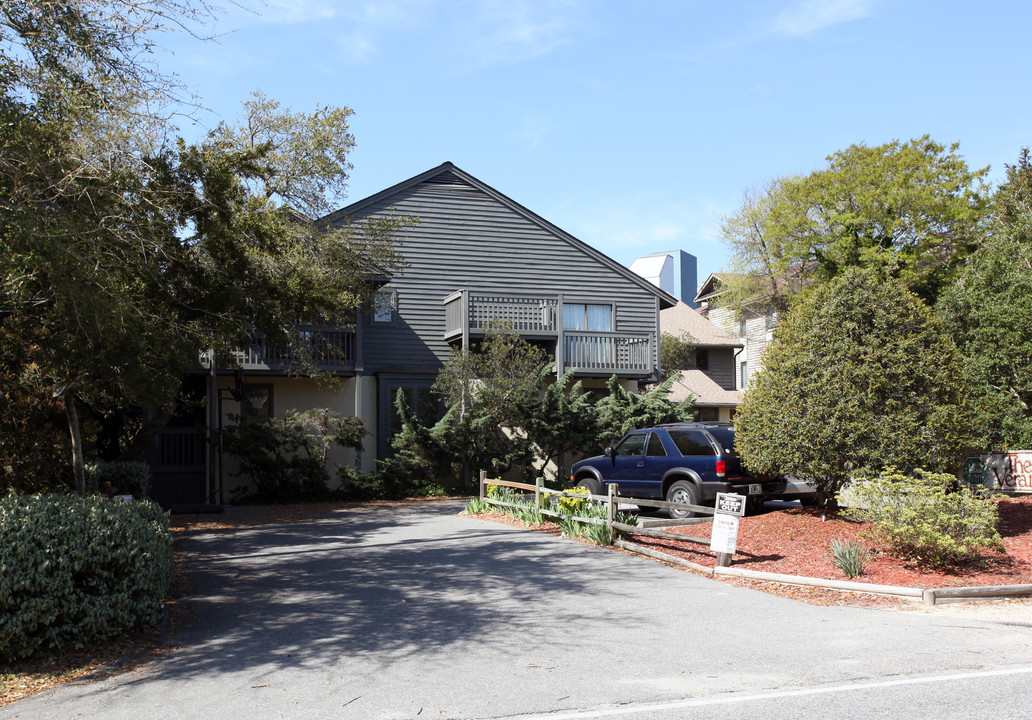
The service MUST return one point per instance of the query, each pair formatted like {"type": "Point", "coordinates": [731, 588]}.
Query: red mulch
{"type": "Point", "coordinates": [797, 541]}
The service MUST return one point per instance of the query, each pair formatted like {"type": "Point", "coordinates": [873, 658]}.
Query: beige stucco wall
{"type": "Point", "coordinates": [302, 394]}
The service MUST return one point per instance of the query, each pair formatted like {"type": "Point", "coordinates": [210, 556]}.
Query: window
{"type": "Point", "coordinates": [743, 327]}
{"type": "Point", "coordinates": [385, 302]}
{"type": "Point", "coordinates": [583, 316]}
{"type": "Point", "coordinates": [745, 375]}
{"type": "Point", "coordinates": [692, 442]}
{"type": "Point", "coordinates": [709, 414]}
{"type": "Point", "coordinates": [421, 401]}
{"type": "Point", "coordinates": [770, 320]}
{"type": "Point", "coordinates": [702, 358]}
{"type": "Point", "coordinates": [655, 446]}
{"type": "Point", "coordinates": [632, 446]}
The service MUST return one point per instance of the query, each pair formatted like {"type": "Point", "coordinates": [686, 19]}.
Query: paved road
{"type": "Point", "coordinates": [424, 614]}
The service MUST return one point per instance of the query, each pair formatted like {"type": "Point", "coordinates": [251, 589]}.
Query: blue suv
{"type": "Point", "coordinates": [680, 462]}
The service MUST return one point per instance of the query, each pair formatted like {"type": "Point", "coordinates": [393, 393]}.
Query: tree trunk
{"type": "Point", "coordinates": [78, 471]}
{"type": "Point", "coordinates": [150, 429]}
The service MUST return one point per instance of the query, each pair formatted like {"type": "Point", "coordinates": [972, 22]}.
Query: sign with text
{"type": "Point", "coordinates": [725, 533]}
{"type": "Point", "coordinates": [1007, 471]}
{"type": "Point", "coordinates": [730, 504]}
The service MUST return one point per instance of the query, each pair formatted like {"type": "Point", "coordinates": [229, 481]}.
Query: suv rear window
{"type": "Point", "coordinates": [692, 442]}
{"type": "Point", "coordinates": [725, 436]}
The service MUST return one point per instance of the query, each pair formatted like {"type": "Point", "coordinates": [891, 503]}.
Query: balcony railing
{"type": "Point", "coordinates": [526, 314]}
{"type": "Point", "coordinates": [333, 349]}
{"type": "Point", "coordinates": [468, 314]}
{"type": "Point", "coordinates": [607, 352]}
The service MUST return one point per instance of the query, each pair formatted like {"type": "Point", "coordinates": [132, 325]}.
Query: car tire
{"type": "Point", "coordinates": [682, 491]}
{"type": "Point", "coordinates": [591, 484]}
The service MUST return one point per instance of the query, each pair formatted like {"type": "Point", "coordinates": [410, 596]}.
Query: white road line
{"type": "Point", "coordinates": [727, 700]}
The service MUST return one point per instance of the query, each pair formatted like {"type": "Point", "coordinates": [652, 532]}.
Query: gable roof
{"type": "Point", "coordinates": [666, 299]}
{"type": "Point", "coordinates": [682, 318]}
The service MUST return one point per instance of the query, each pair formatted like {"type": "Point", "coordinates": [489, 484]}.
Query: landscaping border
{"type": "Point", "coordinates": [929, 596]}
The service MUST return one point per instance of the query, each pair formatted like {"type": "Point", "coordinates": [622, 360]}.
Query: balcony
{"type": "Point", "coordinates": [333, 350]}
{"type": "Point", "coordinates": [468, 315]}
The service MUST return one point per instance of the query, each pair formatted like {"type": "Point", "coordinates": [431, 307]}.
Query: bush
{"type": "Point", "coordinates": [126, 478]}
{"type": "Point", "coordinates": [926, 517]}
{"type": "Point", "coordinates": [75, 570]}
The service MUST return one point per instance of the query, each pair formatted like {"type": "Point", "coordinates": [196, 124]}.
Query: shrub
{"type": "Point", "coordinates": [850, 557]}
{"type": "Point", "coordinates": [75, 570]}
{"type": "Point", "coordinates": [126, 478]}
{"type": "Point", "coordinates": [926, 517]}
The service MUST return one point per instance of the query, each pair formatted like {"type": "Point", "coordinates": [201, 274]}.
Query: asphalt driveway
{"type": "Point", "coordinates": [415, 612]}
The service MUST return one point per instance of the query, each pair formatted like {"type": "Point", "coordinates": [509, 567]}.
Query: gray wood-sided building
{"type": "Point", "coordinates": [472, 257]}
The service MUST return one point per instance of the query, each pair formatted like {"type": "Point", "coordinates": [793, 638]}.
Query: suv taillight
{"type": "Point", "coordinates": [721, 467]}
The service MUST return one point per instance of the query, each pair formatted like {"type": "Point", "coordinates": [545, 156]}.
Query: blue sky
{"type": "Point", "coordinates": [633, 126]}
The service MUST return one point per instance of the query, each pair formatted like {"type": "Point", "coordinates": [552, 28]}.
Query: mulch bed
{"type": "Point", "coordinates": [797, 541]}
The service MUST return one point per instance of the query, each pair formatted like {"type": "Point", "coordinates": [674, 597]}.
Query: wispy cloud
{"type": "Point", "coordinates": [806, 17]}
{"type": "Point", "coordinates": [503, 31]}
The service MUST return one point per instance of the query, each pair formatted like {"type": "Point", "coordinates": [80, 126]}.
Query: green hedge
{"type": "Point", "coordinates": [75, 570]}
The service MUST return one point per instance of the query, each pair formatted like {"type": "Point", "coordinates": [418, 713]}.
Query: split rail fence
{"type": "Point", "coordinates": [612, 500]}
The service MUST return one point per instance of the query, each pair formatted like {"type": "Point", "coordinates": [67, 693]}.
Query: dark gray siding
{"type": "Point", "coordinates": [722, 367]}
{"type": "Point", "coordinates": [467, 239]}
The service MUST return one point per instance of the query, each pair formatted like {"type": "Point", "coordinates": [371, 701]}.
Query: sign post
{"type": "Point", "coordinates": [729, 507]}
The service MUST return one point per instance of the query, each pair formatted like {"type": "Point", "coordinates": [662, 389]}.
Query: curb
{"type": "Point", "coordinates": [930, 596]}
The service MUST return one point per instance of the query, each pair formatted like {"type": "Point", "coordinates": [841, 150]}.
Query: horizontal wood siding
{"type": "Point", "coordinates": [466, 239]}
{"type": "Point", "coordinates": [722, 367]}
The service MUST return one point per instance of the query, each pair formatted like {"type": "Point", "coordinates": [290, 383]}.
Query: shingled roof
{"type": "Point", "coordinates": [681, 318]}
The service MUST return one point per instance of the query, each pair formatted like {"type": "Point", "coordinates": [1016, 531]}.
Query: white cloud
{"type": "Point", "coordinates": [505, 31]}
{"type": "Point", "coordinates": [806, 17]}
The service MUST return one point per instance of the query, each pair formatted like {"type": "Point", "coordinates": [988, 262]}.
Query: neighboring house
{"type": "Point", "coordinates": [754, 330]}
{"type": "Point", "coordinates": [473, 257]}
{"type": "Point", "coordinates": [712, 381]}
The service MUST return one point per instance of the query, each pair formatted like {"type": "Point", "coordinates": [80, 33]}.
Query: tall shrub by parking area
{"type": "Point", "coordinates": [74, 570]}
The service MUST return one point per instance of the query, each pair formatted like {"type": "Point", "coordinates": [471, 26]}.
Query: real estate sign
{"type": "Point", "coordinates": [1005, 471]}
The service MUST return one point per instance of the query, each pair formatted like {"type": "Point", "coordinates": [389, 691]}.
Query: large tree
{"type": "Point", "coordinates": [910, 209]}
{"type": "Point", "coordinates": [989, 309]}
{"type": "Point", "coordinates": [128, 252]}
{"type": "Point", "coordinates": [860, 376]}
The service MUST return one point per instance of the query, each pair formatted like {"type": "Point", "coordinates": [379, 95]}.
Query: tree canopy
{"type": "Point", "coordinates": [860, 376]}
{"type": "Point", "coordinates": [989, 309]}
{"type": "Point", "coordinates": [910, 209]}
{"type": "Point", "coordinates": [128, 252]}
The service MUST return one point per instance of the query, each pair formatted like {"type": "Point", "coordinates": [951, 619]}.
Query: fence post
{"type": "Point", "coordinates": [538, 484]}
{"type": "Point", "coordinates": [483, 477]}
{"type": "Point", "coordinates": [611, 507]}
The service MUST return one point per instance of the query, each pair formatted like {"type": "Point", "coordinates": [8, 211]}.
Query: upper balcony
{"type": "Point", "coordinates": [601, 353]}
{"type": "Point", "coordinates": [333, 349]}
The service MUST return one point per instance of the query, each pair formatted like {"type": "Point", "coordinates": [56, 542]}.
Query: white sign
{"type": "Point", "coordinates": [1006, 471]}
{"type": "Point", "coordinates": [730, 503]}
{"type": "Point", "coordinates": [725, 533]}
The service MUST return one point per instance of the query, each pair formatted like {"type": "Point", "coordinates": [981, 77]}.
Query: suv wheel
{"type": "Point", "coordinates": [682, 491]}
{"type": "Point", "coordinates": [591, 484]}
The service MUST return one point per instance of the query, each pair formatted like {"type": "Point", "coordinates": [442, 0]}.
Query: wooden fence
{"type": "Point", "coordinates": [612, 501]}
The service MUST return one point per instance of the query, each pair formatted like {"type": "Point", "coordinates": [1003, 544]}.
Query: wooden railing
{"type": "Point", "coordinates": [607, 351]}
{"type": "Point", "coordinates": [527, 314]}
{"type": "Point", "coordinates": [331, 349]}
